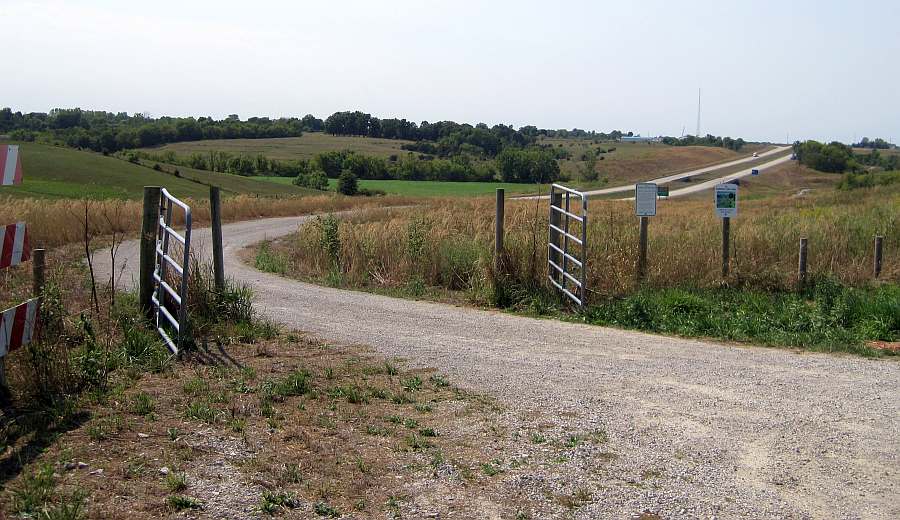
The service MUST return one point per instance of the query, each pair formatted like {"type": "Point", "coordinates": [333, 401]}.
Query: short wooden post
{"type": "Point", "coordinates": [38, 266]}
{"type": "Point", "coordinates": [498, 226]}
{"type": "Point", "coordinates": [878, 250]}
{"type": "Point", "coordinates": [642, 250]}
{"type": "Point", "coordinates": [801, 265]}
{"type": "Point", "coordinates": [149, 228]}
{"type": "Point", "coordinates": [215, 211]}
{"type": "Point", "coordinates": [726, 238]}
{"type": "Point", "coordinates": [555, 220]}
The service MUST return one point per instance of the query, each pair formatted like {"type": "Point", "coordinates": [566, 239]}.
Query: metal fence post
{"type": "Point", "coordinates": [149, 226]}
{"type": "Point", "coordinates": [215, 211]}
{"type": "Point", "coordinates": [555, 200]}
{"type": "Point", "coordinates": [878, 251]}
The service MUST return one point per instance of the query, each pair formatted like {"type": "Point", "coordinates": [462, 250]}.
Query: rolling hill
{"type": "Point", "coordinates": [55, 173]}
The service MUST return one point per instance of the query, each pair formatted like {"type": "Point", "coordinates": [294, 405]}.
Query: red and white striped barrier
{"type": "Point", "coordinates": [10, 165]}
{"type": "Point", "coordinates": [18, 326]}
{"type": "Point", "coordinates": [15, 246]}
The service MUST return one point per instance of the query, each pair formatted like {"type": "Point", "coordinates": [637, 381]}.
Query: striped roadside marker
{"type": "Point", "coordinates": [15, 246]}
{"type": "Point", "coordinates": [10, 165]}
{"type": "Point", "coordinates": [18, 326]}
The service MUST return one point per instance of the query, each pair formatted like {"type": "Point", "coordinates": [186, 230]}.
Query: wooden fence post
{"type": "Point", "coordinates": [38, 265]}
{"type": "Point", "coordinates": [149, 228]}
{"type": "Point", "coordinates": [878, 251]}
{"type": "Point", "coordinates": [642, 250]}
{"type": "Point", "coordinates": [726, 238]}
{"type": "Point", "coordinates": [801, 265]}
{"type": "Point", "coordinates": [215, 211]}
{"type": "Point", "coordinates": [498, 227]}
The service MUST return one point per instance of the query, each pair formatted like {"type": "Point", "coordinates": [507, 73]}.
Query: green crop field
{"type": "Point", "coordinates": [292, 148]}
{"type": "Point", "coordinates": [431, 188]}
{"type": "Point", "coordinates": [55, 173]}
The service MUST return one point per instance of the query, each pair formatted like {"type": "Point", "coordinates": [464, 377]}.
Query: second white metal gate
{"type": "Point", "coordinates": [567, 244]}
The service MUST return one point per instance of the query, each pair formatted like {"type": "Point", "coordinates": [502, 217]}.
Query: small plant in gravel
{"type": "Point", "coordinates": [423, 408]}
{"type": "Point", "coordinates": [410, 423]}
{"type": "Point", "coordinates": [173, 434]}
{"type": "Point", "coordinates": [427, 432]}
{"type": "Point", "coordinates": [412, 384]}
{"type": "Point", "coordinates": [274, 502]}
{"type": "Point", "coordinates": [291, 474]}
{"type": "Point", "coordinates": [142, 404]}
{"type": "Point", "coordinates": [201, 411]}
{"type": "Point", "coordinates": [439, 381]}
{"type": "Point", "coordinates": [492, 468]}
{"type": "Point", "coordinates": [537, 438]}
{"type": "Point", "coordinates": [378, 393]}
{"type": "Point", "coordinates": [402, 398]}
{"type": "Point", "coordinates": [196, 386]}
{"type": "Point", "coordinates": [324, 509]}
{"type": "Point", "coordinates": [417, 443]}
{"type": "Point", "coordinates": [176, 482]}
{"type": "Point", "coordinates": [181, 502]}
{"type": "Point", "coordinates": [295, 383]}
{"type": "Point", "coordinates": [390, 369]}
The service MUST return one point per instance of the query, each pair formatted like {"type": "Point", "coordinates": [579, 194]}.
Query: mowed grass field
{"type": "Point", "coordinates": [290, 148]}
{"type": "Point", "coordinates": [432, 188]}
{"type": "Point", "coordinates": [52, 172]}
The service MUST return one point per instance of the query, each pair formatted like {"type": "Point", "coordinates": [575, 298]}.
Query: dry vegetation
{"type": "Point", "coordinates": [57, 222]}
{"type": "Point", "coordinates": [449, 244]}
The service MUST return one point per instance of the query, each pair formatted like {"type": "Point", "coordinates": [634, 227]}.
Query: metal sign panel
{"type": "Point", "coordinates": [754, 171]}
{"type": "Point", "coordinates": [10, 165]}
{"type": "Point", "coordinates": [645, 199]}
{"type": "Point", "coordinates": [662, 191]}
{"type": "Point", "coordinates": [726, 200]}
{"type": "Point", "coordinates": [18, 326]}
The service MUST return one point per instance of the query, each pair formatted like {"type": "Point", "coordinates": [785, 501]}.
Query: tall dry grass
{"type": "Point", "coordinates": [449, 243]}
{"type": "Point", "coordinates": [52, 223]}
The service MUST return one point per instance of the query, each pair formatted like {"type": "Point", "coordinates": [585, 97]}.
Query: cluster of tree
{"type": "Point", "coordinates": [836, 157]}
{"type": "Point", "coordinates": [223, 162]}
{"type": "Point", "coordinates": [709, 140]}
{"type": "Point", "coordinates": [461, 168]}
{"type": "Point", "coordinates": [110, 132]}
{"type": "Point", "coordinates": [534, 165]}
{"type": "Point", "coordinates": [878, 144]}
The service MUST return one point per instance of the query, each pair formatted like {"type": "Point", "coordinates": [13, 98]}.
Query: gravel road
{"type": "Point", "coordinates": [695, 429]}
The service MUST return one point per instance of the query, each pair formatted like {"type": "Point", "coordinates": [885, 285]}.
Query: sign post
{"type": "Point", "coordinates": [726, 208]}
{"type": "Point", "coordinates": [645, 194]}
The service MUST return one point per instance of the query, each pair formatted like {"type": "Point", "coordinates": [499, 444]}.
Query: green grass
{"type": "Point", "coordinates": [828, 317]}
{"type": "Point", "coordinates": [52, 172]}
{"type": "Point", "coordinates": [432, 188]}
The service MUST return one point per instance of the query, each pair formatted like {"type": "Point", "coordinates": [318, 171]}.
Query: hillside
{"type": "Point", "coordinates": [290, 148]}
{"type": "Point", "coordinates": [54, 172]}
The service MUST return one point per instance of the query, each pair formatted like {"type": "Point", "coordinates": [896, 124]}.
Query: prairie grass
{"type": "Point", "coordinates": [53, 223]}
{"type": "Point", "coordinates": [449, 243]}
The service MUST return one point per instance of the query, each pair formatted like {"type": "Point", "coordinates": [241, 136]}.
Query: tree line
{"type": "Point", "coordinates": [836, 157]}
{"type": "Point", "coordinates": [708, 140]}
{"type": "Point", "coordinates": [109, 132]}
{"type": "Point", "coordinates": [877, 144]}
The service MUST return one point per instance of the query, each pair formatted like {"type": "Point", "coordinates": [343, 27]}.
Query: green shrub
{"type": "Point", "coordinates": [347, 183]}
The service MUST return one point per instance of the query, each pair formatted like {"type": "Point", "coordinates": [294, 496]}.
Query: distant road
{"type": "Point", "coordinates": [781, 150]}
{"type": "Point", "coordinates": [706, 185]}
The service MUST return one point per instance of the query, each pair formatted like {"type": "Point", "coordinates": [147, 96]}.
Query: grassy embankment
{"type": "Point", "coordinates": [443, 250]}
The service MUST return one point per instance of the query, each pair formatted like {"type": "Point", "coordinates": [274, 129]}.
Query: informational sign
{"type": "Point", "coordinates": [645, 199]}
{"type": "Point", "coordinates": [10, 165]}
{"type": "Point", "coordinates": [726, 200]}
{"type": "Point", "coordinates": [754, 171]}
{"type": "Point", "coordinates": [662, 191]}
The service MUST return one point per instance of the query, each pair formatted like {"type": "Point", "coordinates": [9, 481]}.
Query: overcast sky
{"type": "Point", "coordinates": [814, 69]}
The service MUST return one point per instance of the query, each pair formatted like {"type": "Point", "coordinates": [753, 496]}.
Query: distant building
{"type": "Point", "coordinates": [639, 139]}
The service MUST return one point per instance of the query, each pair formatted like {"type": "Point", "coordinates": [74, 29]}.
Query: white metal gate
{"type": "Point", "coordinates": [168, 272]}
{"type": "Point", "coordinates": [567, 271]}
